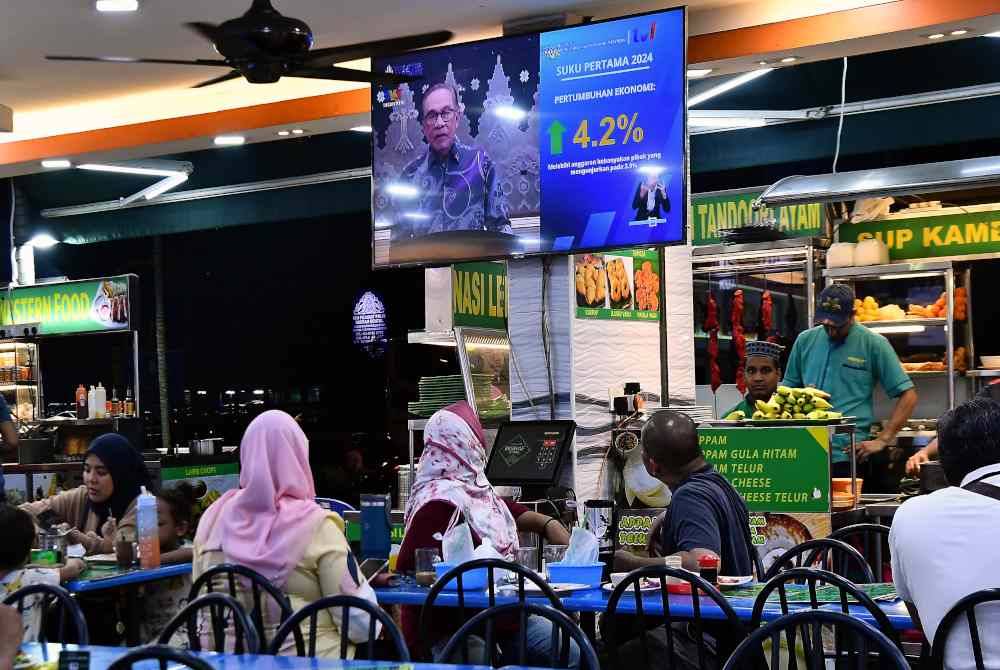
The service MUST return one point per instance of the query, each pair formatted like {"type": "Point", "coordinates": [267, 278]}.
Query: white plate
{"type": "Point", "coordinates": [532, 588]}
{"type": "Point", "coordinates": [736, 583]}
{"type": "Point", "coordinates": [650, 587]}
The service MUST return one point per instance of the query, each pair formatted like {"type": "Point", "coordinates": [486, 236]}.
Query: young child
{"type": "Point", "coordinates": [161, 600]}
{"type": "Point", "coordinates": [18, 532]}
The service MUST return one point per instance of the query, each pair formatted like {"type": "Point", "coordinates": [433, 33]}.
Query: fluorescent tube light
{"type": "Point", "coordinates": [43, 241]}
{"type": "Point", "coordinates": [230, 140]}
{"type": "Point", "coordinates": [725, 122]}
{"type": "Point", "coordinates": [56, 164]}
{"type": "Point", "coordinates": [117, 5]}
{"type": "Point", "coordinates": [128, 169]}
{"type": "Point", "coordinates": [897, 329]}
{"type": "Point", "coordinates": [362, 129]}
{"type": "Point", "coordinates": [735, 82]}
{"type": "Point", "coordinates": [698, 73]}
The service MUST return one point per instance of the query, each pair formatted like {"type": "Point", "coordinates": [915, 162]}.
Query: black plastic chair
{"type": "Point", "coordinates": [223, 610]}
{"type": "Point", "coordinates": [865, 639]}
{"type": "Point", "coordinates": [839, 556]}
{"type": "Point", "coordinates": [812, 578]}
{"type": "Point", "coordinates": [346, 604]}
{"type": "Point", "coordinates": [727, 633]}
{"type": "Point", "coordinates": [491, 565]}
{"type": "Point", "coordinates": [564, 629]}
{"type": "Point", "coordinates": [873, 538]}
{"type": "Point", "coordinates": [965, 607]}
{"type": "Point", "coordinates": [49, 595]}
{"type": "Point", "coordinates": [162, 653]}
{"type": "Point", "coordinates": [258, 586]}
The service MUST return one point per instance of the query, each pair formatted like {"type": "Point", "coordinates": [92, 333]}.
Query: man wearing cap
{"type": "Point", "coordinates": [847, 360]}
{"type": "Point", "coordinates": [763, 371]}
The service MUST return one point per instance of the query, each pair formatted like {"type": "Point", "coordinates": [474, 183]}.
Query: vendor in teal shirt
{"type": "Point", "coordinates": [847, 360]}
{"type": "Point", "coordinates": [762, 371]}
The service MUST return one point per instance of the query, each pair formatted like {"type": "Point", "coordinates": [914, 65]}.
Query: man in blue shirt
{"type": "Point", "coordinates": [847, 360]}
{"type": "Point", "coordinates": [9, 433]}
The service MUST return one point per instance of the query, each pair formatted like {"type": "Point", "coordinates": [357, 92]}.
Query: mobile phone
{"type": "Point", "coordinates": [372, 566]}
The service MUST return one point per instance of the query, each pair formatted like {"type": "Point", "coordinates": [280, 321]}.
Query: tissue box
{"type": "Point", "coordinates": [576, 574]}
{"type": "Point", "coordinates": [474, 580]}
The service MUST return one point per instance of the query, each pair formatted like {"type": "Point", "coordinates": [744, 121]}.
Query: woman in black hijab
{"type": "Point", "coordinates": [113, 473]}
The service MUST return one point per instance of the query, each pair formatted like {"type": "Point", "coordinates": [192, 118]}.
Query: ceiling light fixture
{"type": "Point", "coordinates": [789, 59]}
{"type": "Point", "coordinates": [959, 32]}
{"type": "Point", "coordinates": [728, 86]}
{"type": "Point", "coordinates": [43, 241]}
{"type": "Point", "coordinates": [56, 164]}
{"type": "Point", "coordinates": [726, 122]}
{"type": "Point", "coordinates": [762, 63]}
{"type": "Point", "coordinates": [297, 131]}
{"type": "Point", "coordinates": [698, 73]}
{"type": "Point", "coordinates": [230, 140]}
{"type": "Point", "coordinates": [283, 133]}
{"type": "Point", "coordinates": [993, 34]}
{"type": "Point", "coordinates": [173, 173]}
{"type": "Point", "coordinates": [129, 169]}
{"type": "Point", "coordinates": [117, 5]}
{"type": "Point", "coordinates": [935, 36]}
{"type": "Point", "coordinates": [362, 129]}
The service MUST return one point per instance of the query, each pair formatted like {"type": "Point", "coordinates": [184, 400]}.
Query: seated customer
{"type": "Point", "coordinates": [944, 545]}
{"type": "Point", "coordinates": [18, 533]}
{"type": "Point", "coordinates": [273, 525]}
{"type": "Point", "coordinates": [451, 485]}
{"type": "Point", "coordinates": [162, 599]}
{"type": "Point", "coordinates": [112, 473]}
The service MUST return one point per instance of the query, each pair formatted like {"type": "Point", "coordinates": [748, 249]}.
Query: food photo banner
{"type": "Point", "coordinates": [538, 143]}
{"type": "Point", "coordinates": [618, 285]}
{"type": "Point", "coordinates": [85, 306]}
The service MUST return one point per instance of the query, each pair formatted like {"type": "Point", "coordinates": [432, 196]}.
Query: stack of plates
{"type": "Point", "coordinates": [439, 392]}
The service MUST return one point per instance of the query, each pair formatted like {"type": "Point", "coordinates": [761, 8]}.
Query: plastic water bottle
{"type": "Point", "coordinates": [100, 401]}
{"type": "Point", "coordinates": [148, 530]}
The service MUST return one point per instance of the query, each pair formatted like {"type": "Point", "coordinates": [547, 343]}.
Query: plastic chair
{"type": "Point", "coordinates": [812, 578]}
{"type": "Point", "coordinates": [811, 622]}
{"type": "Point", "coordinates": [563, 630]}
{"type": "Point", "coordinates": [491, 565]}
{"type": "Point", "coordinates": [820, 553]}
{"type": "Point", "coordinates": [68, 609]}
{"type": "Point", "coordinates": [873, 538]}
{"type": "Point", "coordinates": [699, 589]}
{"type": "Point", "coordinates": [334, 505]}
{"type": "Point", "coordinates": [217, 605]}
{"type": "Point", "coordinates": [161, 653]}
{"type": "Point", "coordinates": [967, 607]}
{"type": "Point", "coordinates": [259, 584]}
{"type": "Point", "coordinates": [345, 603]}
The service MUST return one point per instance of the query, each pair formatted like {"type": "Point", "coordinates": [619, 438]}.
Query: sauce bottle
{"type": "Point", "coordinates": [708, 568]}
{"type": "Point", "coordinates": [129, 402]}
{"type": "Point", "coordinates": [81, 402]}
{"type": "Point", "coordinates": [148, 527]}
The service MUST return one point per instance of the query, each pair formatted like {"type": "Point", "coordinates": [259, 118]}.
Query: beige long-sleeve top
{"type": "Point", "coordinates": [322, 571]}
{"type": "Point", "coordinates": [68, 507]}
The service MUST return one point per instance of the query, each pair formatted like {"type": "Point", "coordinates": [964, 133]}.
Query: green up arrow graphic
{"type": "Point", "coordinates": [556, 130]}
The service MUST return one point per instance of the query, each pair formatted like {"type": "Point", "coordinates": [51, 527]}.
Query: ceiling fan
{"type": "Point", "coordinates": [263, 46]}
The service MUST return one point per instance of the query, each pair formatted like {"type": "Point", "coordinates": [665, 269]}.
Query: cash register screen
{"type": "Point", "coordinates": [529, 452]}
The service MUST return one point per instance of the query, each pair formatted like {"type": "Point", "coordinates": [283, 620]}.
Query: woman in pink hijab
{"type": "Point", "coordinates": [273, 525]}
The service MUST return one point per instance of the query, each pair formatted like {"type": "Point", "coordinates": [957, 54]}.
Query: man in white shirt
{"type": "Point", "coordinates": [945, 545]}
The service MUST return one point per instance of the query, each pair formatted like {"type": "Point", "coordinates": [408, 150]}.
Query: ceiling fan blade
{"type": "Point", "coordinates": [232, 46]}
{"type": "Point", "coordinates": [331, 55]}
{"type": "Point", "coordinates": [349, 74]}
{"type": "Point", "coordinates": [209, 31]}
{"type": "Point", "coordinates": [124, 59]}
{"type": "Point", "coordinates": [235, 74]}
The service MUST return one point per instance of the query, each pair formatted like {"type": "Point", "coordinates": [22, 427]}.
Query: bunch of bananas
{"type": "Point", "coordinates": [789, 403]}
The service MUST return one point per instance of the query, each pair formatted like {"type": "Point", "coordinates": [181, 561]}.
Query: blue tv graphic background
{"type": "Point", "coordinates": [630, 71]}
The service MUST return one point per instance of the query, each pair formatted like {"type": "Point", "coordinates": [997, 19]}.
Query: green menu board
{"type": "Point", "coordinates": [784, 469]}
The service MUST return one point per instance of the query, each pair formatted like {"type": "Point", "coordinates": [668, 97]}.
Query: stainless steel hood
{"type": "Point", "coordinates": [907, 180]}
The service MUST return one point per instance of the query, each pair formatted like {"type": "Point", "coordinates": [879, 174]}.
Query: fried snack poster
{"type": "Point", "coordinates": [618, 285]}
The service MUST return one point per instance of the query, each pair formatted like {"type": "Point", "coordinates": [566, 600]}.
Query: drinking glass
{"type": "Point", "coordinates": [527, 557]}
{"type": "Point", "coordinates": [425, 560]}
{"type": "Point", "coordinates": [553, 553]}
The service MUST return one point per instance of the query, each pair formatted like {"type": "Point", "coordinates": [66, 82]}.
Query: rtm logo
{"type": "Point", "coordinates": [635, 37]}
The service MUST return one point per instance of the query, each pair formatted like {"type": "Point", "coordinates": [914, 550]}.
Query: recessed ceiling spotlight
{"type": "Point", "coordinates": [117, 5]}
{"type": "Point", "coordinates": [762, 63]}
{"type": "Point", "coordinates": [698, 73]}
{"type": "Point", "coordinates": [935, 36]}
{"type": "Point", "coordinates": [362, 129]}
{"type": "Point", "coordinates": [229, 140]}
{"type": "Point", "coordinates": [297, 131]}
{"type": "Point", "coordinates": [56, 164]}
{"type": "Point", "coordinates": [789, 59]}
{"type": "Point", "coordinates": [959, 32]}
{"type": "Point", "coordinates": [283, 133]}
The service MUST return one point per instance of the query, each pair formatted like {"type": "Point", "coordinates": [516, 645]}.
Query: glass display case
{"type": "Point", "coordinates": [20, 381]}
{"type": "Point", "coordinates": [776, 283]}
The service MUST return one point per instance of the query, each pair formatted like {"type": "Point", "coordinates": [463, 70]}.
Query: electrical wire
{"type": "Point", "coordinates": [13, 256]}
{"type": "Point", "coordinates": [840, 124]}
{"type": "Point", "coordinates": [520, 379]}
{"type": "Point", "coordinates": [546, 344]}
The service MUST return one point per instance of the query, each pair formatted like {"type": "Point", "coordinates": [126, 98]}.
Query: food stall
{"type": "Point", "coordinates": [31, 316]}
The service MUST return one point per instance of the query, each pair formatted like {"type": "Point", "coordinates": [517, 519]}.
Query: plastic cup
{"type": "Point", "coordinates": [425, 560]}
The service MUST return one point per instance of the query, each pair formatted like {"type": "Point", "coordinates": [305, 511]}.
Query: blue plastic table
{"type": "Point", "coordinates": [596, 601]}
{"type": "Point", "coordinates": [102, 657]}
{"type": "Point", "coordinates": [98, 580]}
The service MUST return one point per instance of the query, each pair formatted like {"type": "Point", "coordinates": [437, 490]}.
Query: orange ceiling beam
{"type": "Point", "coordinates": [835, 27]}
{"type": "Point", "coordinates": [783, 36]}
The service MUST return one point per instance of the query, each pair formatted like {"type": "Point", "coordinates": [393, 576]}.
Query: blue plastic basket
{"type": "Point", "coordinates": [473, 580]}
{"type": "Point", "coordinates": [576, 574]}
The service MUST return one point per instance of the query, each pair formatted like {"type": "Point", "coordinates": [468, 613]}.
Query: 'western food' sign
{"type": "Point", "coordinates": [479, 295]}
{"type": "Point", "coordinates": [932, 236]}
